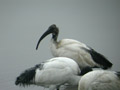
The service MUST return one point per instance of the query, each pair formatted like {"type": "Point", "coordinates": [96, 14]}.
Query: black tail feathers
{"type": "Point", "coordinates": [27, 77]}
{"type": "Point", "coordinates": [99, 58]}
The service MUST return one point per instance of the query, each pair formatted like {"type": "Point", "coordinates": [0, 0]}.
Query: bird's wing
{"type": "Point", "coordinates": [52, 76]}
{"type": "Point", "coordinates": [61, 63]}
{"type": "Point", "coordinates": [74, 49]}
{"type": "Point", "coordinates": [79, 51]}
{"type": "Point", "coordinates": [99, 58]}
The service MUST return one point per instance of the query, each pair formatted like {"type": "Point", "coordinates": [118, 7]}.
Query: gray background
{"type": "Point", "coordinates": [93, 22]}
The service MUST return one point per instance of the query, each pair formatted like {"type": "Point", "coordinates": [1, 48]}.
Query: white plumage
{"type": "Point", "coordinates": [81, 53]}
{"type": "Point", "coordinates": [51, 74]}
{"type": "Point", "coordinates": [73, 49]}
{"type": "Point", "coordinates": [100, 80]}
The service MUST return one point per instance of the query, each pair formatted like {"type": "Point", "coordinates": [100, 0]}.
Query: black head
{"type": "Point", "coordinates": [51, 30]}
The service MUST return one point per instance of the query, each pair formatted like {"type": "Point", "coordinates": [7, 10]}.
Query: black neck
{"type": "Point", "coordinates": [54, 37]}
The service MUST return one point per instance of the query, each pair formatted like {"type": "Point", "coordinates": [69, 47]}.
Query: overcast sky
{"type": "Point", "coordinates": [93, 22]}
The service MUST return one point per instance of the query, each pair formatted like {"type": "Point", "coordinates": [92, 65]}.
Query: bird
{"type": "Point", "coordinates": [100, 80]}
{"type": "Point", "coordinates": [83, 72]}
{"type": "Point", "coordinates": [51, 74]}
{"type": "Point", "coordinates": [78, 51]}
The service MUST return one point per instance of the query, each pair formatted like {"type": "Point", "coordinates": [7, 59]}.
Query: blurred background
{"type": "Point", "coordinates": [93, 22]}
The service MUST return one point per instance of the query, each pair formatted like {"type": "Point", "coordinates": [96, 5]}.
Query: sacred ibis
{"type": "Point", "coordinates": [81, 53]}
{"type": "Point", "coordinates": [51, 74]}
{"type": "Point", "coordinates": [100, 80]}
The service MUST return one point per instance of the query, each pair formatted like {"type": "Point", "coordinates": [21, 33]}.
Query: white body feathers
{"type": "Point", "coordinates": [100, 80]}
{"type": "Point", "coordinates": [56, 71]}
{"type": "Point", "coordinates": [51, 74]}
{"type": "Point", "coordinates": [72, 49]}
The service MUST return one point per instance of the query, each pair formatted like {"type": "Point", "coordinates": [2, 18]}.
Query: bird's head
{"type": "Point", "coordinates": [51, 30]}
{"type": "Point", "coordinates": [54, 30]}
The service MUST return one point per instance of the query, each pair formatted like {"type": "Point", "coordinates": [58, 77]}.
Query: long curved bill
{"type": "Point", "coordinates": [49, 31]}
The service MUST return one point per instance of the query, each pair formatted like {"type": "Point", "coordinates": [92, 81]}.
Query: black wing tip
{"type": "Point", "coordinates": [102, 60]}
{"type": "Point", "coordinates": [110, 65]}
{"type": "Point", "coordinates": [107, 65]}
{"type": "Point", "coordinates": [99, 58]}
